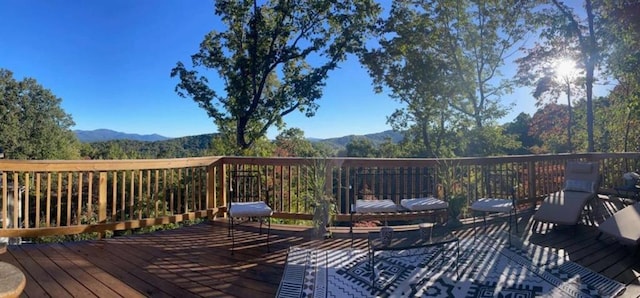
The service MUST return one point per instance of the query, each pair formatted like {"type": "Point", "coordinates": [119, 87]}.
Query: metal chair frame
{"type": "Point", "coordinates": [247, 183]}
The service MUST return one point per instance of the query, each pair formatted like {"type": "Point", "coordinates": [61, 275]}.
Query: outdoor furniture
{"type": "Point", "coordinates": [630, 189]}
{"type": "Point", "coordinates": [495, 205]}
{"type": "Point", "coordinates": [566, 207]}
{"type": "Point", "coordinates": [623, 225]}
{"type": "Point", "coordinates": [248, 200]}
{"type": "Point", "coordinates": [368, 199]}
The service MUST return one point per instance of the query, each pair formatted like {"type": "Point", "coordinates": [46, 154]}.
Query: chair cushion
{"type": "Point", "coordinates": [623, 225]}
{"type": "Point", "coordinates": [373, 206]}
{"type": "Point", "coordinates": [563, 207]}
{"type": "Point", "coordinates": [249, 209]}
{"type": "Point", "coordinates": [580, 167]}
{"type": "Point", "coordinates": [492, 205]}
{"type": "Point", "coordinates": [421, 204]}
{"type": "Point", "coordinates": [579, 185]}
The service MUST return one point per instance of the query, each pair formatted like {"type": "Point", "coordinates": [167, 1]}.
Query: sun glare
{"type": "Point", "coordinates": [566, 69]}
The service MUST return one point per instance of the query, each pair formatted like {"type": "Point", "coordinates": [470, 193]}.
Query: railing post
{"type": "Point", "coordinates": [222, 176]}
{"type": "Point", "coordinates": [532, 181]}
{"type": "Point", "coordinates": [211, 187]}
{"type": "Point", "coordinates": [102, 198]}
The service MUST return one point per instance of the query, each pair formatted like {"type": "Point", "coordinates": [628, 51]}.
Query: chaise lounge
{"type": "Point", "coordinates": [623, 225]}
{"type": "Point", "coordinates": [566, 207]}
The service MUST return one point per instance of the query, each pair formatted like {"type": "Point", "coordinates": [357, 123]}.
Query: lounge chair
{"type": "Point", "coordinates": [623, 225]}
{"type": "Point", "coordinates": [565, 207]}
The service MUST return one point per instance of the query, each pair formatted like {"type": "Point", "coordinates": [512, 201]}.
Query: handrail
{"type": "Point", "coordinates": [57, 197]}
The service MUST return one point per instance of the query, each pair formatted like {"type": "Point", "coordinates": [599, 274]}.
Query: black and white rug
{"type": "Point", "coordinates": [487, 267]}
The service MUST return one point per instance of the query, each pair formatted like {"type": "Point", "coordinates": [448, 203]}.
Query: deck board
{"type": "Point", "coordinates": [195, 261]}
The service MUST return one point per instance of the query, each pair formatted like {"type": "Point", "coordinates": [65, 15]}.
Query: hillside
{"type": "Point", "coordinates": [103, 135]}
{"type": "Point", "coordinates": [125, 145]}
{"type": "Point", "coordinates": [376, 138]}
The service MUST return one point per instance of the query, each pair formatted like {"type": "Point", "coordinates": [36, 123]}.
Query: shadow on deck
{"type": "Point", "coordinates": [195, 261]}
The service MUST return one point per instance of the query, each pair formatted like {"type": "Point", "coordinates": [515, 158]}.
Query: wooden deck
{"type": "Point", "coordinates": [196, 261]}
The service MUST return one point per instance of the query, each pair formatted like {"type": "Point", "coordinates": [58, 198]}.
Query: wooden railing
{"type": "Point", "coordinates": [41, 198]}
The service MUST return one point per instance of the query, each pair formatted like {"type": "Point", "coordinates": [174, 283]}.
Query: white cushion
{"type": "Point", "coordinates": [492, 205]}
{"type": "Point", "coordinates": [421, 204]}
{"type": "Point", "coordinates": [373, 206]}
{"type": "Point", "coordinates": [249, 209]}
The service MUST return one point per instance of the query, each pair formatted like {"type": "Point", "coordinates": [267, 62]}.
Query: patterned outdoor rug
{"type": "Point", "coordinates": [488, 267]}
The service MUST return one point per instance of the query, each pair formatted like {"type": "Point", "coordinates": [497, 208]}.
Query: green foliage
{"type": "Point", "coordinates": [562, 31]}
{"type": "Point", "coordinates": [361, 147]}
{"type": "Point", "coordinates": [291, 142]}
{"type": "Point", "coordinates": [33, 125]}
{"type": "Point", "coordinates": [318, 196]}
{"type": "Point", "coordinates": [520, 129]}
{"type": "Point", "coordinates": [441, 60]}
{"type": "Point", "coordinates": [130, 149]}
{"type": "Point", "coordinates": [273, 58]}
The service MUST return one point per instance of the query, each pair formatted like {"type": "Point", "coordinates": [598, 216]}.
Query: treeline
{"type": "Point", "coordinates": [191, 146]}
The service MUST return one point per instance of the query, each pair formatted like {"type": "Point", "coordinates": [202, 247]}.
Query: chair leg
{"type": "Point", "coordinates": [484, 221]}
{"type": "Point", "coordinates": [515, 218]}
{"type": "Point", "coordinates": [475, 232]}
{"type": "Point", "coordinates": [268, 233]}
{"type": "Point", "coordinates": [233, 239]}
{"type": "Point", "coordinates": [351, 228]}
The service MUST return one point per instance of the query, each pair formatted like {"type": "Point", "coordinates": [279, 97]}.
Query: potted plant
{"type": "Point", "coordinates": [319, 198]}
{"type": "Point", "coordinates": [456, 204]}
{"type": "Point", "coordinates": [451, 190]}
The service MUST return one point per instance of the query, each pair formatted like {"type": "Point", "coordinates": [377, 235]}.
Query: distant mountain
{"type": "Point", "coordinates": [376, 138]}
{"type": "Point", "coordinates": [157, 146]}
{"type": "Point", "coordinates": [103, 135]}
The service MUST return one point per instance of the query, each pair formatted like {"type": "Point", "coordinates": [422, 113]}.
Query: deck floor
{"type": "Point", "coordinates": [195, 261]}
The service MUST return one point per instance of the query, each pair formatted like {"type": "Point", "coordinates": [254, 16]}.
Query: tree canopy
{"type": "Point", "coordinates": [273, 59]}
{"type": "Point", "coordinates": [33, 125]}
{"type": "Point", "coordinates": [441, 59]}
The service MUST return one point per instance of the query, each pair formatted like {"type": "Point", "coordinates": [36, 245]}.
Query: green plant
{"type": "Point", "coordinates": [318, 197]}
{"type": "Point", "coordinates": [450, 179]}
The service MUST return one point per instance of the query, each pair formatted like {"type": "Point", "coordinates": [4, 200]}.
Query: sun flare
{"type": "Point", "coordinates": [566, 69]}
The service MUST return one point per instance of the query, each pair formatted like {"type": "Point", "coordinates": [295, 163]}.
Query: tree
{"type": "Point", "coordinates": [442, 59]}
{"type": "Point", "coordinates": [622, 20]}
{"type": "Point", "coordinates": [559, 21]}
{"type": "Point", "coordinates": [548, 125]}
{"type": "Point", "coordinates": [291, 142]}
{"type": "Point", "coordinates": [551, 68]}
{"type": "Point", "coordinates": [407, 64]}
{"type": "Point", "coordinates": [520, 128]}
{"type": "Point", "coordinates": [476, 38]}
{"type": "Point", "coordinates": [273, 59]}
{"type": "Point", "coordinates": [33, 125]}
{"type": "Point", "coordinates": [361, 147]}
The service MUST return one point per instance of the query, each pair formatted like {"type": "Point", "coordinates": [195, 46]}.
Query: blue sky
{"type": "Point", "coordinates": [110, 62]}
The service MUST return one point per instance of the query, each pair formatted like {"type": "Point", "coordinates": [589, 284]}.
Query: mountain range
{"type": "Point", "coordinates": [105, 135]}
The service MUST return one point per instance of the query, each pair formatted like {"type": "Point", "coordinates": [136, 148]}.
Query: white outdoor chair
{"type": "Point", "coordinates": [498, 205]}
{"type": "Point", "coordinates": [248, 200]}
{"type": "Point", "coordinates": [369, 203]}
